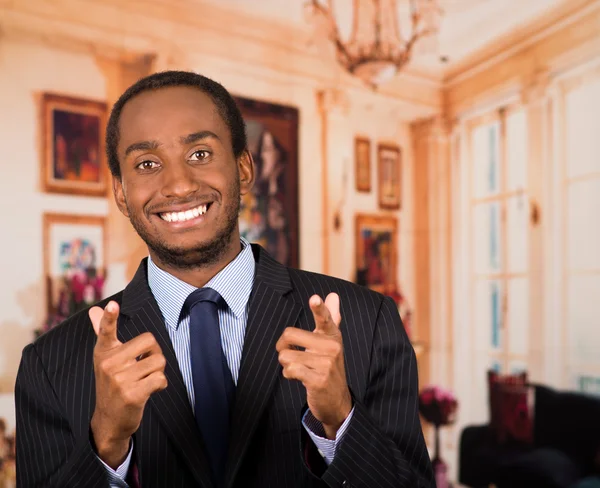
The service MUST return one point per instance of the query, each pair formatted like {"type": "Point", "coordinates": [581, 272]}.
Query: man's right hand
{"type": "Point", "coordinates": [126, 375]}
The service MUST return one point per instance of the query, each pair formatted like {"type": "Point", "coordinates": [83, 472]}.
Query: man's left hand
{"type": "Point", "coordinates": [320, 366]}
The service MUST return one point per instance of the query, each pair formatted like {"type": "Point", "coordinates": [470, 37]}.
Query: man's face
{"type": "Point", "coordinates": [180, 182]}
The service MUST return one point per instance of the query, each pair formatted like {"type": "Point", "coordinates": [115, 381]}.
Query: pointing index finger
{"type": "Point", "coordinates": [326, 313]}
{"type": "Point", "coordinates": [105, 324]}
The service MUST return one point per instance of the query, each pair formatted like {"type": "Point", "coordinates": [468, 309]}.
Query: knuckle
{"type": "Point", "coordinates": [119, 380]}
{"type": "Point", "coordinates": [129, 398]}
{"type": "Point", "coordinates": [284, 356]}
{"type": "Point", "coordinates": [147, 339]}
{"type": "Point", "coordinates": [321, 382]}
{"type": "Point", "coordinates": [336, 348]}
{"type": "Point", "coordinates": [330, 363]}
{"type": "Point", "coordinates": [105, 365]}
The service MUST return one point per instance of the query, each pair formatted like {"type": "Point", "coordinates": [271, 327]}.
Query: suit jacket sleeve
{"type": "Point", "coordinates": [49, 454]}
{"type": "Point", "coordinates": [384, 445]}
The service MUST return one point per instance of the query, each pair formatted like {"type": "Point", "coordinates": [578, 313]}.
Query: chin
{"type": "Point", "coordinates": [191, 251]}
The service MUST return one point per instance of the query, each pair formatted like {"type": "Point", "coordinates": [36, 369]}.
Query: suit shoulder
{"type": "Point", "coordinates": [312, 282]}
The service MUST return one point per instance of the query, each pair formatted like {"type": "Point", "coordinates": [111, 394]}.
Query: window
{"type": "Point", "coordinates": [581, 268]}
{"type": "Point", "coordinates": [499, 242]}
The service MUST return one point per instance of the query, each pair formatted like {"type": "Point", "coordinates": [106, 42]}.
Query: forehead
{"type": "Point", "coordinates": [168, 113]}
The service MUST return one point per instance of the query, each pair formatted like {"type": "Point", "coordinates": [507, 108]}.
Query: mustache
{"type": "Point", "coordinates": [195, 199]}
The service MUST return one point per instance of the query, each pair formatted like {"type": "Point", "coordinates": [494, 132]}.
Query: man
{"type": "Point", "coordinates": [216, 366]}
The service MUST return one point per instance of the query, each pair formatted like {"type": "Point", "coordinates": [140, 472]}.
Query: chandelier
{"type": "Point", "coordinates": [377, 49]}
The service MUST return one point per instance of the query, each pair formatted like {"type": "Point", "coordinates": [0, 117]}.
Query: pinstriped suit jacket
{"type": "Point", "coordinates": [382, 448]}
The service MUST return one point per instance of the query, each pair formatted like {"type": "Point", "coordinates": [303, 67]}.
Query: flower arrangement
{"type": "Point", "coordinates": [78, 290]}
{"type": "Point", "coordinates": [438, 406]}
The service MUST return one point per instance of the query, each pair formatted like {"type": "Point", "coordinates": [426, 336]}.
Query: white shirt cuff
{"type": "Point", "coordinates": [326, 447]}
{"type": "Point", "coordinates": [116, 479]}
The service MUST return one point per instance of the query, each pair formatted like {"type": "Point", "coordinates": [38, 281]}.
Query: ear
{"type": "Point", "coordinates": [117, 187]}
{"type": "Point", "coordinates": [246, 171]}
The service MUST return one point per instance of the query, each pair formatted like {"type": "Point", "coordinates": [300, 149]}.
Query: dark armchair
{"type": "Point", "coordinates": [565, 447]}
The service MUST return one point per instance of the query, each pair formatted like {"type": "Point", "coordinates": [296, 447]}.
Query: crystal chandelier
{"type": "Point", "coordinates": [376, 49]}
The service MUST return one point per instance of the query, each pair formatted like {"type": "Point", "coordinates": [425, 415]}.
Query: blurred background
{"type": "Point", "coordinates": [443, 152]}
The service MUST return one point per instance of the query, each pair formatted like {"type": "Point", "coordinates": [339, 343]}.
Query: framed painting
{"type": "Point", "coordinates": [376, 251]}
{"type": "Point", "coordinates": [74, 258]}
{"type": "Point", "coordinates": [269, 213]}
{"type": "Point", "coordinates": [362, 164]}
{"type": "Point", "coordinates": [73, 158]}
{"type": "Point", "coordinates": [389, 162]}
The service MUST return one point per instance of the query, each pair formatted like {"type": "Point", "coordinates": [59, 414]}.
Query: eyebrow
{"type": "Point", "coordinates": [142, 146]}
{"type": "Point", "coordinates": [198, 136]}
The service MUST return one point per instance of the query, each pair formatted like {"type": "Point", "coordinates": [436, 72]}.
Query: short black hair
{"type": "Point", "coordinates": [225, 103]}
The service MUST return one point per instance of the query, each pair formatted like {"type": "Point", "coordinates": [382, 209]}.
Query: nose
{"type": "Point", "coordinates": [179, 181]}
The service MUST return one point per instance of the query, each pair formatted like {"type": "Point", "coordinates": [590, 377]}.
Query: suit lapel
{"type": "Point", "coordinates": [272, 309]}
{"type": "Point", "coordinates": [140, 313]}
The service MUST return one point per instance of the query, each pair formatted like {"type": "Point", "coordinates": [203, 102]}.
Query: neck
{"type": "Point", "coordinates": [198, 276]}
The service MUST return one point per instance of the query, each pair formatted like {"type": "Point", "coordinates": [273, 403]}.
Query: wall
{"type": "Point", "coordinates": [27, 70]}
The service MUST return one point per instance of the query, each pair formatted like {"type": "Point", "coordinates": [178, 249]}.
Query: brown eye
{"type": "Point", "coordinates": [199, 155]}
{"type": "Point", "coordinates": [147, 165]}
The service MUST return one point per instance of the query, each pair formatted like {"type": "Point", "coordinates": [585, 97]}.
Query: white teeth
{"type": "Point", "coordinates": [183, 216]}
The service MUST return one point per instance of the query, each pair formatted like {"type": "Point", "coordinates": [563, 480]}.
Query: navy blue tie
{"type": "Point", "coordinates": [213, 384]}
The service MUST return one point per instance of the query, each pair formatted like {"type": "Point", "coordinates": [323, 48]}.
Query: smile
{"type": "Point", "coordinates": [185, 215]}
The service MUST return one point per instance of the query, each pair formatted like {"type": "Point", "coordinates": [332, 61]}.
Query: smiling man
{"type": "Point", "coordinates": [216, 366]}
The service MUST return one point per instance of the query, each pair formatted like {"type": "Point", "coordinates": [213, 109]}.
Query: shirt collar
{"type": "Point", "coordinates": [234, 283]}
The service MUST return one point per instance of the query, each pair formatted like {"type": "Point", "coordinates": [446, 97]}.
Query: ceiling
{"type": "Point", "coordinates": [467, 25]}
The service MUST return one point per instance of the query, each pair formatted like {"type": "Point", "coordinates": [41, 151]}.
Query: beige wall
{"type": "Point", "coordinates": [27, 70]}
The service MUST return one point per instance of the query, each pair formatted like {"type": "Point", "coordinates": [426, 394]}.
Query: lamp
{"type": "Point", "coordinates": [376, 50]}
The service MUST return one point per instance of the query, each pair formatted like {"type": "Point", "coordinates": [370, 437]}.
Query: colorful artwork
{"type": "Point", "coordinates": [362, 157]}
{"type": "Point", "coordinates": [376, 251]}
{"type": "Point", "coordinates": [74, 146]}
{"type": "Point", "coordinates": [74, 262]}
{"type": "Point", "coordinates": [390, 182]}
{"type": "Point", "coordinates": [269, 213]}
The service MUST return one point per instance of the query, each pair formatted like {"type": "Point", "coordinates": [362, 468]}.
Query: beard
{"type": "Point", "coordinates": [201, 255]}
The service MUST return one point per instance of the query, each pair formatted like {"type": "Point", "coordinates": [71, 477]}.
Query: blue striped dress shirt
{"type": "Point", "coordinates": [234, 283]}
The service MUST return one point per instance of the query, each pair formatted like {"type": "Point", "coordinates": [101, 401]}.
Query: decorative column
{"type": "Point", "coordinates": [336, 147]}
{"type": "Point", "coordinates": [537, 104]}
{"type": "Point", "coordinates": [125, 249]}
{"type": "Point", "coordinates": [432, 240]}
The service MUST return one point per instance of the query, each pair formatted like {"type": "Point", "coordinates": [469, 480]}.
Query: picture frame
{"type": "Point", "coordinates": [376, 251]}
{"type": "Point", "coordinates": [362, 164]}
{"type": "Point", "coordinates": [269, 214]}
{"type": "Point", "coordinates": [73, 158]}
{"type": "Point", "coordinates": [73, 244]}
{"type": "Point", "coordinates": [389, 162]}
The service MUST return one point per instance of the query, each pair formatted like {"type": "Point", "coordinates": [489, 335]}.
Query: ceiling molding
{"type": "Point", "coordinates": [519, 39]}
{"type": "Point", "coordinates": [572, 39]}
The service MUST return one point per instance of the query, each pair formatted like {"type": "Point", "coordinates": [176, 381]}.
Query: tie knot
{"type": "Point", "coordinates": [202, 295]}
